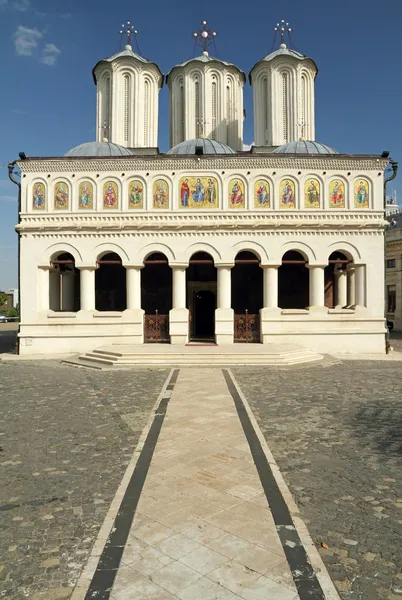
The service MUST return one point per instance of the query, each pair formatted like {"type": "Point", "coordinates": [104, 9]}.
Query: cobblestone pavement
{"type": "Point", "coordinates": [336, 433]}
{"type": "Point", "coordinates": [66, 436]}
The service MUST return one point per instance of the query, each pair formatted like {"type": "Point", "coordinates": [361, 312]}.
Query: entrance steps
{"type": "Point", "coordinates": [148, 355]}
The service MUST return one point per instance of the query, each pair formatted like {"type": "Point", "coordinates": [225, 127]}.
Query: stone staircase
{"type": "Point", "coordinates": [149, 355]}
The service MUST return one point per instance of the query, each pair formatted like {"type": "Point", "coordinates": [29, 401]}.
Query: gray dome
{"type": "Point", "coordinates": [99, 149]}
{"type": "Point", "coordinates": [305, 147]}
{"type": "Point", "coordinates": [209, 147]}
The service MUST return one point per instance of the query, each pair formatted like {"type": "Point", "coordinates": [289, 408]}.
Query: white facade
{"type": "Point", "coordinates": [127, 90]}
{"type": "Point", "coordinates": [206, 100]}
{"type": "Point", "coordinates": [355, 323]}
{"type": "Point", "coordinates": [283, 92]}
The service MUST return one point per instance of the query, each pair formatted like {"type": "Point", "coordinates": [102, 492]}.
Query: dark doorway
{"type": "Point", "coordinates": [247, 297]}
{"type": "Point", "coordinates": [293, 281]}
{"type": "Point", "coordinates": [156, 298]}
{"type": "Point", "coordinates": [336, 260]}
{"type": "Point", "coordinates": [110, 284]}
{"type": "Point", "coordinates": [64, 284]}
{"type": "Point", "coordinates": [204, 314]}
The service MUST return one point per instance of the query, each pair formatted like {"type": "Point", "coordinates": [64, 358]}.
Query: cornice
{"type": "Point", "coordinates": [170, 163]}
{"type": "Point", "coordinates": [174, 222]}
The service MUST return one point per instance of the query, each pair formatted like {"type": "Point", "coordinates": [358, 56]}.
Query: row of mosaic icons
{"type": "Point", "coordinates": [203, 192]}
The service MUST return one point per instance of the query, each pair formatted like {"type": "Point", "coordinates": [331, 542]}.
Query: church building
{"type": "Point", "coordinates": [208, 243]}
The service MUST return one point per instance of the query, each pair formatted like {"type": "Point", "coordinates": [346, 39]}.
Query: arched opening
{"type": "Point", "coordinates": [247, 297]}
{"type": "Point", "coordinates": [339, 281]}
{"type": "Point", "coordinates": [110, 283]}
{"type": "Point", "coordinates": [293, 281]}
{"type": "Point", "coordinates": [64, 284]}
{"type": "Point", "coordinates": [156, 297]}
{"type": "Point", "coordinates": [201, 297]}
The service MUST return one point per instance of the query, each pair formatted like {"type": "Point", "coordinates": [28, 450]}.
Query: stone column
{"type": "Point", "coordinates": [87, 291]}
{"type": "Point", "coordinates": [270, 315]}
{"type": "Point", "coordinates": [224, 313]}
{"type": "Point", "coordinates": [178, 316]}
{"type": "Point", "coordinates": [341, 288]}
{"type": "Point", "coordinates": [317, 293]}
{"type": "Point", "coordinates": [133, 316]}
{"type": "Point", "coordinates": [351, 277]}
{"type": "Point", "coordinates": [43, 288]}
{"type": "Point", "coordinates": [360, 285]}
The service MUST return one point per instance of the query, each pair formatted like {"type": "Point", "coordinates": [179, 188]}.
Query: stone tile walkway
{"type": "Point", "coordinates": [203, 529]}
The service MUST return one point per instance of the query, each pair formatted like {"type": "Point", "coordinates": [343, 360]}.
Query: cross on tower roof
{"type": "Point", "coordinates": [204, 37]}
{"type": "Point", "coordinates": [283, 28]}
{"type": "Point", "coordinates": [129, 31]}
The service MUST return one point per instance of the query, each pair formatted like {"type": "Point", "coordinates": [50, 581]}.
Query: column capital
{"type": "Point", "coordinates": [316, 266]}
{"type": "Point", "coordinates": [270, 266]}
{"type": "Point", "coordinates": [224, 265]}
{"type": "Point", "coordinates": [90, 267]}
{"type": "Point", "coordinates": [45, 267]}
{"type": "Point", "coordinates": [138, 267]}
{"type": "Point", "coordinates": [178, 265]}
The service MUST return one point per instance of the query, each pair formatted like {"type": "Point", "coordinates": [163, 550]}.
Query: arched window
{"type": "Point", "coordinates": [303, 105]}
{"type": "Point", "coordinates": [198, 124]}
{"type": "Point", "coordinates": [266, 107]}
{"type": "Point", "coordinates": [64, 284]}
{"type": "Point", "coordinates": [146, 112]}
{"type": "Point", "coordinates": [214, 109]}
{"type": "Point", "coordinates": [339, 281]}
{"type": "Point", "coordinates": [106, 107]}
{"type": "Point", "coordinates": [156, 297]}
{"type": "Point", "coordinates": [293, 281]}
{"type": "Point", "coordinates": [181, 112]}
{"type": "Point", "coordinates": [285, 106]}
{"type": "Point", "coordinates": [247, 297]}
{"type": "Point", "coordinates": [127, 103]}
{"type": "Point", "coordinates": [110, 283]}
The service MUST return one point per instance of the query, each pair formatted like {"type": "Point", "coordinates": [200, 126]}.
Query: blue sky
{"type": "Point", "coordinates": [48, 49]}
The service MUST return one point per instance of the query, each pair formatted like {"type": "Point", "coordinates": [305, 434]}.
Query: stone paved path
{"type": "Point", "coordinates": [203, 529]}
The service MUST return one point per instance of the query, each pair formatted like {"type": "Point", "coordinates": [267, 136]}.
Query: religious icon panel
{"type": "Point", "coordinates": [136, 194]}
{"type": "Point", "coordinates": [198, 192]}
{"type": "Point", "coordinates": [110, 195]}
{"type": "Point", "coordinates": [287, 194]}
{"type": "Point", "coordinates": [85, 195]}
{"type": "Point", "coordinates": [161, 194]}
{"type": "Point", "coordinates": [262, 196]}
{"type": "Point", "coordinates": [336, 194]}
{"type": "Point", "coordinates": [361, 193]}
{"type": "Point", "coordinates": [312, 193]}
{"type": "Point", "coordinates": [61, 196]}
{"type": "Point", "coordinates": [237, 196]}
{"type": "Point", "coordinates": [39, 196]}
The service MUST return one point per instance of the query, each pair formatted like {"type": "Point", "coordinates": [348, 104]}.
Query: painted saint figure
{"type": "Point", "coordinates": [85, 195]}
{"type": "Point", "coordinates": [135, 195]}
{"type": "Point", "coordinates": [313, 194]}
{"type": "Point", "coordinates": [160, 194]}
{"type": "Point", "coordinates": [361, 193]}
{"type": "Point", "coordinates": [237, 196]}
{"type": "Point", "coordinates": [61, 196]}
{"type": "Point", "coordinates": [262, 193]}
{"type": "Point", "coordinates": [38, 196]}
{"type": "Point", "coordinates": [199, 192]}
{"type": "Point", "coordinates": [211, 192]}
{"type": "Point", "coordinates": [287, 193]}
{"type": "Point", "coordinates": [185, 193]}
{"type": "Point", "coordinates": [110, 198]}
{"type": "Point", "coordinates": [337, 194]}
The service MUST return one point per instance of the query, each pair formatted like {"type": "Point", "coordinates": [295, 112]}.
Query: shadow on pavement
{"type": "Point", "coordinates": [380, 425]}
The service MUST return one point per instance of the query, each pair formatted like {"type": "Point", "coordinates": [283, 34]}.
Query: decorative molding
{"type": "Point", "coordinates": [162, 163]}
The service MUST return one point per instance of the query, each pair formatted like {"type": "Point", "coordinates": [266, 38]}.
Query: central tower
{"type": "Point", "coordinates": [206, 97]}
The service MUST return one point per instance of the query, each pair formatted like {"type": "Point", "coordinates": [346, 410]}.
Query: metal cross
{"type": "Point", "coordinates": [129, 31]}
{"type": "Point", "coordinates": [283, 28]}
{"type": "Point", "coordinates": [200, 123]}
{"type": "Point", "coordinates": [204, 37]}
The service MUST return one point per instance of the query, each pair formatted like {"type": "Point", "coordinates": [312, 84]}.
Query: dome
{"type": "Point", "coordinates": [305, 147]}
{"type": "Point", "coordinates": [99, 149]}
{"type": "Point", "coordinates": [126, 53]}
{"type": "Point", "coordinates": [208, 146]}
{"type": "Point", "coordinates": [284, 51]}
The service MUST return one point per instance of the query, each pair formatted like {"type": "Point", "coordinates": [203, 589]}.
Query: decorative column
{"type": "Point", "coordinates": [43, 288]}
{"type": "Point", "coordinates": [87, 285]}
{"type": "Point", "coordinates": [341, 288]}
{"type": "Point", "coordinates": [317, 287]}
{"type": "Point", "coordinates": [133, 316]}
{"type": "Point", "coordinates": [270, 315]}
{"type": "Point", "coordinates": [351, 277]}
{"type": "Point", "coordinates": [360, 285]}
{"type": "Point", "coordinates": [224, 313]}
{"type": "Point", "coordinates": [178, 316]}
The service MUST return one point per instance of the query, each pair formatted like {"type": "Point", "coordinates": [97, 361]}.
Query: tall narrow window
{"type": "Point", "coordinates": [266, 108]}
{"type": "Point", "coordinates": [229, 110]}
{"type": "Point", "coordinates": [106, 109]}
{"type": "Point", "coordinates": [303, 124]}
{"type": "Point", "coordinates": [198, 124]}
{"type": "Point", "coordinates": [126, 111]}
{"type": "Point", "coordinates": [213, 123]}
{"type": "Point", "coordinates": [285, 106]}
{"type": "Point", "coordinates": [181, 113]}
{"type": "Point", "coordinates": [146, 113]}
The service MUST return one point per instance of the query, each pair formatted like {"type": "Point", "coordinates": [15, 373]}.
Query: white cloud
{"type": "Point", "coordinates": [248, 146]}
{"type": "Point", "coordinates": [50, 54]}
{"type": "Point", "coordinates": [26, 40]}
{"type": "Point", "coordinates": [21, 5]}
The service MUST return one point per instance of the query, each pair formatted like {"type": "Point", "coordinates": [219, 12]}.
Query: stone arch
{"type": "Point", "coordinates": [201, 247]}
{"type": "Point", "coordinates": [59, 248]}
{"type": "Point", "coordinates": [152, 248]}
{"type": "Point", "coordinates": [347, 248]}
{"type": "Point", "coordinates": [108, 248]}
{"type": "Point", "coordinates": [254, 247]}
{"type": "Point", "coordinates": [301, 247]}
